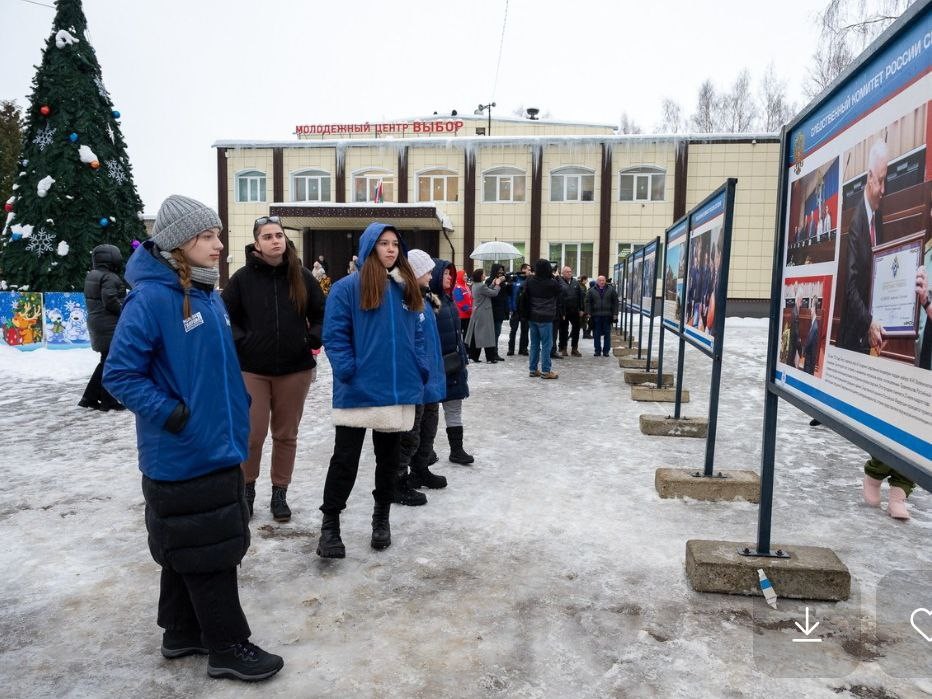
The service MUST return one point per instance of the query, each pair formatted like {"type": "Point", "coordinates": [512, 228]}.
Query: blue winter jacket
{"type": "Point", "coordinates": [158, 359]}
{"type": "Point", "coordinates": [451, 338]}
{"type": "Point", "coordinates": [378, 357]}
{"type": "Point", "coordinates": [436, 388]}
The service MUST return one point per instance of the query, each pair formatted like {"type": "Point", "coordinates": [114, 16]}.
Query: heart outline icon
{"type": "Point", "coordinates": [912, 622]}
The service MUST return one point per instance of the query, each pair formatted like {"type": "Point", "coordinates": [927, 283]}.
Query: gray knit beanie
{"type": "Point", "coordinates": [180, 219]}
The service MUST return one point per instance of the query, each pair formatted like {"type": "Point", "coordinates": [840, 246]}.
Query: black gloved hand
{"type": "Point", "coordinates": [178, 419]}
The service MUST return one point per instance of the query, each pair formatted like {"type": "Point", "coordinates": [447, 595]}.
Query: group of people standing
{"type": "Point", "coordinates": [207, 374]}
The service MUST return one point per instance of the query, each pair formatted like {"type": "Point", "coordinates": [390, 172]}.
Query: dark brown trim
{"type": "Point", "coordinates": [386, 211]}
{"type": "Point", "coordinates": [223, 211]}
{"type": "Point", "coordinates": [680, 173]}
{"type": "Point", "coordinates": [537, 186]}
{"type": "Point", "coordinates": [469, 208]}
{"type": "Point", "coordinates": [339, 169]}
{"type": "Point", "coordinates": [605, 212]}
{"type": "Point", "coordinates": [403, 175]}
{"type": "Point", "coordinates": [278, 174]}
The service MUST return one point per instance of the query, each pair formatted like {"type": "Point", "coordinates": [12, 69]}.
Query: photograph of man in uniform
{"type": "Point", "coordinates": [858, 331]}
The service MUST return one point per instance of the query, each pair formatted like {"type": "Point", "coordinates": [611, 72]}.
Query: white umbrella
{"type": "Point", "coordinates": [496, 250]}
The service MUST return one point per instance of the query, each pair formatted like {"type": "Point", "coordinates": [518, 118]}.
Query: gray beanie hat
{"type": "Point", "coordinates": [180, 219]}
{"type": "Point", "coordinates": [420, 262]}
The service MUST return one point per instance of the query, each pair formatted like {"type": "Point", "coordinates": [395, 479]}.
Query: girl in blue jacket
{"type": "Point", "coordinates": [374, 338]}
{"type": "Point", "coordinates": [173, 363]}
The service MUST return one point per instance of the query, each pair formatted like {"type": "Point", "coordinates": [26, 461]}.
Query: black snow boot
{"type": "Point", "coordinates": [250, 496]}
{"type": "Point", "coordinates": [433, 458]}
{"type": "Point", "coordinates": [381, 532]}
{"type": "Point", "coordinates": [403, 493]}
{"type": "Point", "coordinates": [330, 544]}
{"type": "Point", "coordinates": [457, 455]}
{"type": "Point", "coordinates": [422, 477]}
{"type": "Point", "coordinates": [280, 510]}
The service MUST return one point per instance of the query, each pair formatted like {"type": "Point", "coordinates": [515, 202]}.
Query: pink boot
{"type": "Point", "coordinates": [896, 504]}
{"type": "Point", "coordinates": [872, 491]}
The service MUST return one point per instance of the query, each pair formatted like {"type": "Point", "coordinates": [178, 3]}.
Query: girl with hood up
{"type": "Point", "coordinates": [374, 337]}
{"type": "Point", "coordinates": [462, 297]}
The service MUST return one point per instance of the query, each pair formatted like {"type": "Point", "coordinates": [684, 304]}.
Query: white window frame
{"type": "Point", "coordinates": [505, 174]}
{"type": "Point", "coordinates": [311, 174]}
{"type": "Point", "coordinates": [372, 175]}
{"type": "Point", "coordinates": [646, 173]}
{"type": "Point", "coordinates": [256, 180]}
{"type": "Point", "coordinates": [577, 261]}
{"type": "Point", "coordinates": [560, 179]}
{"type": "Point", "coordinates": [626, 247]}
{"type": "Point", "coordinates": [432, 174]}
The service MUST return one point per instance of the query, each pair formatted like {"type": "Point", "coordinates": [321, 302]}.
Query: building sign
{"type": "Point", "coordinates": [437, 127]}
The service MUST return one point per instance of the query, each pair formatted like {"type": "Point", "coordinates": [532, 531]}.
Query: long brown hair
{"type": "Point", "coordinates": [372, 283]}
{"type": "Point", "coordinates": [297, 289]}
{"type": "Point", "coordinates": [184, 276]}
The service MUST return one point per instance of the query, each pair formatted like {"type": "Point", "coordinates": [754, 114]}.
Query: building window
{"type": "Point", "coordinates": [310, 185]}
{"type": "Point", "coordinates": [503, 184]}
{"type": "Point", "coordinates": [576, 255]}
{"type": "Point", "coordinates": [572, 184]}
{"type": "Point", "coordinates": [644, 183]}
{"type": "Point", "coordinates": [510, 265]}
{"type": "Point", "coordinates": [374, 186]}
{"type": "Point", "coordinates": [250, 186]}
{"type": "Point", "coordinates": [437, 185]}
{"type": "Point", "coordinates": [623, 250]}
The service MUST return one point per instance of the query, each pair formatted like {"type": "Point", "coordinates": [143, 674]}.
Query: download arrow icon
{"type": "Point", "coordinates": [807, 629]}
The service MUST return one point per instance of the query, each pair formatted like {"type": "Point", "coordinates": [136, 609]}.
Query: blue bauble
{"type": "Point", "coordinates": [104, 222]}
{"type": "Point", "coordinates": [73, 138]}
{"type": "Point", "coordinates": [116, 114]}
{"type": "Point", "coordinates": [15, 235]}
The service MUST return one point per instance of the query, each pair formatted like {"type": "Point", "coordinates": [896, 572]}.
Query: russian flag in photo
{"type": "Point", "coordinates": [378, 193]}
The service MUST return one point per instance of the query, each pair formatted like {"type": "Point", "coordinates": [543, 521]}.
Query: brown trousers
{"type": "Point", "coordinates": [278, 400]}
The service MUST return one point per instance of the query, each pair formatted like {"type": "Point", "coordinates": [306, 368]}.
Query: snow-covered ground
{"type": "Point", "coordinates": [549, 568]}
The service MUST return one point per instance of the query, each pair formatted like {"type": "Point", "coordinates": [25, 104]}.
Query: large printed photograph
{"type": "Point", "coordinates": [674, 278]}
{"type": "Point", "coordinates": [813, 217]}
{"type": "Point", "coordinates": [803, 333]}
{"type": "Point", "coordinates": [702, 283]}
{"type": "Point", "coordinates": [882, 283]}
{"type": "Point", "coordinates": [648, 283]}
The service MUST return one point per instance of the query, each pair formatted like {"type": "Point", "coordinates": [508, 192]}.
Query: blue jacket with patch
{"type": "Point", "coordinates": [378, 357]}
{"type": "Point", "coordinates": [158, 359]}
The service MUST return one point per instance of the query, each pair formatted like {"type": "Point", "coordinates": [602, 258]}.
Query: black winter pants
{"type": "Point", "coordinates": [515, 322]}
{"type": "Point", "coordinates": [205, 602]}
{"type": "Point", "coordinates": [569, 330]}
{"type": "Point", "coordinates": [417, 443]}
{"type": "Point", "coordinates": [344, 464]}
{"type": "Point", "coordinates": [95, 392]}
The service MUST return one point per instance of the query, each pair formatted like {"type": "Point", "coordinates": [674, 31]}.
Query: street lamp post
{"type": "Point", "coordinates": [484, 107]}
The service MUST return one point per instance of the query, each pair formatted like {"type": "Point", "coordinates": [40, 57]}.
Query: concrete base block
{"type": "Point", "coordinates": [682, 483]}
{"type": "Point", "coordinates": [639, 377]}
{"type": "Point", "coordinates": [810, 572]}
{"type": "Point", "coordinates": [666, 426]}
{"type": "Point", "coordinates": [650, 392]}
{"type": "Point", "coordinates": [625, 351]}
{"type": "Point", "coordinates": [632, 362]}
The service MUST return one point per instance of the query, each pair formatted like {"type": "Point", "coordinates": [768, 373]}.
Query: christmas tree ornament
{"type": "Point", "coordinates": [95, 164]}
{"type": "Point", "coordinates": [86, 155]}
{"type": "Point", "coordinates": [104, 222]}
{"type": "Point", "coordinates": [73, 137]}
{"type": "Point", "coordinates": [43, 139]}
{"type": "Point", "coordinates": [45, 184]}
{"type": "Point", "coordinates": [135, 243]}
{"type": "Point", "coordinates": [8, 207]}
{"type": "Point", "coordinates": [45, 110]}
{"type": "Point", "coordinates": [64, 38]}
{"type": "Point", "coordinates": [116, 114]}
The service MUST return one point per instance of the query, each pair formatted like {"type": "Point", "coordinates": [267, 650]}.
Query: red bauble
{"type": "Point", "coordinates": [95, 164]}
{"type": "Point", "coordinates": [8, 207]}
{"type": "Point", "coordinates": [45, 110]}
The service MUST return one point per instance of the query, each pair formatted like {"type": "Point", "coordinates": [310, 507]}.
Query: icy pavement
{"type": "Point", "coordinates": [550, 568]}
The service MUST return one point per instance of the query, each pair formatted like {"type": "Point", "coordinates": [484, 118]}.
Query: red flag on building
{"type": "Point", "coordinates": [379, 197]}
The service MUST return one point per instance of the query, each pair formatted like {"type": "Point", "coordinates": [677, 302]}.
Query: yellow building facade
{"type": "Point", "coordinates": [577, 194]}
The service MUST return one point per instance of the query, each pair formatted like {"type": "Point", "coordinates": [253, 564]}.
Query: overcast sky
{"type": "Point", "coordinates": [185, 74]}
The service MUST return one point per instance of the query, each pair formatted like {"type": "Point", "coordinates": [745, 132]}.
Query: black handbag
{"type": "Point", "coordinates": [452, 362]}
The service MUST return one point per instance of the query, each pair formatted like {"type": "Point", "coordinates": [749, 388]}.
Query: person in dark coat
{"type": "Point", "coordinates": [541, 304]}
{"type": "Point", "coordinates": [480, 333]}
{"type": "Point", "coordinates": [573, 310]}
{"type": "Point", "coordinates": [173, 363]}
{"type": "Point", "coordinates": [452, 347]}
{"type": "Point", "coordinates": [602, 304]}
{"type": "Point", "coordinates": [499, 303]}
{"type": "Point", "coordinates": [104, 292]}
{"type": "Point", "coordinates": [276, 309]}
{"type": "Point", "coordinates": [513, 289]}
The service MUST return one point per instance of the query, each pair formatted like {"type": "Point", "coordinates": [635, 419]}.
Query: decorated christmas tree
{"type": "Point", "coordinates": [74, 189]}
